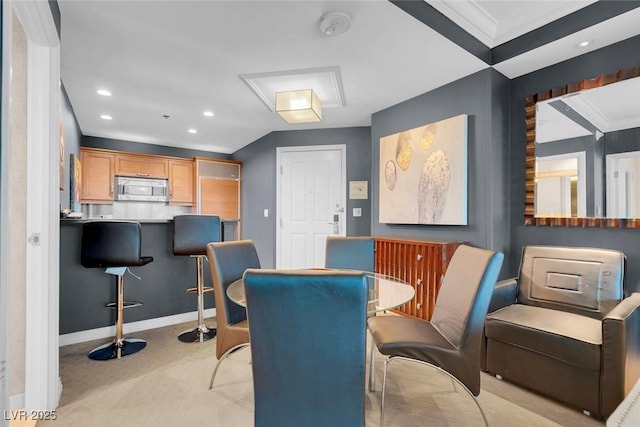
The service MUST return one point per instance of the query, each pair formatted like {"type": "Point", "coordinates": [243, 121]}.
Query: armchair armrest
{"type": "Point", "coordinates": [504, 294]}
{"type": "Point", "coordinates": [620, 352]}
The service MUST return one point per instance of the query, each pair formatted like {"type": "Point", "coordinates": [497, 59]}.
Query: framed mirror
{"type": "Point", "coordinates": [582, 165]}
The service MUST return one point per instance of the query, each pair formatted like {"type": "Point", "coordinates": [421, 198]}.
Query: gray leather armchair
{"type": "Point", "coordinates": [564, 329]}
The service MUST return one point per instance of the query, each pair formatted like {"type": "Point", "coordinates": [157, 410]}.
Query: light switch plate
{"type": "Point", "coordinates": [266, 213]}
{"type": "Point", "coordinates": [357, 211]}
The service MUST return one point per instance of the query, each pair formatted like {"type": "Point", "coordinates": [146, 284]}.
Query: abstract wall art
{"type": "Point", "coordinates": [75, 179]}
{"type": "Point", "coordinates": [423, 174]}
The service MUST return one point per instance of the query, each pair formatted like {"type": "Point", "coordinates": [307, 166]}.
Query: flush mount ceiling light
{"type": "Point", "coordinates": [325, 81]}
{"type": "Point", "coordinates": [299, 106]}
{"type": "Point", "coordinates": [334, 23]}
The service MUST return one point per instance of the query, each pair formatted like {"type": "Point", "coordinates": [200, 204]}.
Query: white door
{"type": "Point", "coordinates": [311, 199]}
{"type": "Point", "coordinates": [622, 170]}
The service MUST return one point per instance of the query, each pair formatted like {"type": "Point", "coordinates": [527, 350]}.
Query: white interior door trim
{"type": "Point", "coordinates": [5, 217]}
{"type": "Point", "coordinates": [279, 152]}
{"type": "Point", "coordinates": [42, 382]}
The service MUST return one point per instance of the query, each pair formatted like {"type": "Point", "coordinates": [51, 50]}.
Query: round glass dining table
{"type": "Point", "coordinates": [385, 292]}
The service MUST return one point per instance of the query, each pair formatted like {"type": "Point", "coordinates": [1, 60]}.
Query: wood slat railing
{"type": "Point", "coordinates": [421, 264]}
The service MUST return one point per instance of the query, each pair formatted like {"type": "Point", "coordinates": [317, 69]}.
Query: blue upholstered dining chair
{"type": "Point", "coordinates": [355, 253]}
{"type": "Point", "coordinates": [307, 332]}
{"type": "Point", "coordinates": [228, 262]}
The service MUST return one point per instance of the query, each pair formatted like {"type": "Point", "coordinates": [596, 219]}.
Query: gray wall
{"type": "Point", "coordinates": [622, 141]}
{"type": "Point", "coordinates": [484, 98]}
{"type": "Point", "coordinates": [622, 55]}
{"type": "Point", "coordinates": [72, 137]}
{"type": "Point", "coordinates": [137, 147]}
{"type": "Point", "coordinates": [259, 181]}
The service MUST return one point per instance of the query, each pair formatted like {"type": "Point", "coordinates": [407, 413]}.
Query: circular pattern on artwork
{"type": "Point", "coordinates": [390, 176]}
{"type": "Point", "coordinates": [433, 188]}
{"type": "Point", "coordinates": [404, 150]}
{"type": "Point", "coordinates": [428, 136]}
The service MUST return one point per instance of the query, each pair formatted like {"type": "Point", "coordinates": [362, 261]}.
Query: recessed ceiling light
{"type": "Point", "coordinates": [192, 131]}
{"type": "Point", "coordinates": [208, 113]}
{"type": "Point", "coordinates": [583, 43]}
{"type": "Point", "coordinates": [106, 117]}
{"type": "Point", "coordinates": [104, 92]}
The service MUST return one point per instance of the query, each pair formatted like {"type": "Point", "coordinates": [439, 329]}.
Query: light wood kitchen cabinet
{"type": "Point", "coordinates": [142, 166]}
{"type": "Point", "coordinates": [421, 264]}
{"type": "Point", "coordinates": [218, 189]}
{"type": "Point", "coordinates": [98, 174]}
{"type": "Point", "coordinates": [181, 182]}
{"type": "Point", "coordinates": [220, 197]}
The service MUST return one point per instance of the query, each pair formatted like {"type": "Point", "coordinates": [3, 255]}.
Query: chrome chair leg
{"type": "Point", "coordinates": [437, 368]}
{"type": "Point", "coordinates": [384, 387]}
{"type": "Point", "coordinates": [200, 333]}
{"type": "Point", "coordinates": [120, 347]}
{"type": "Point", "coordinates": [224, 356]}
{"type": "Point", "coordinates": [372, 378]}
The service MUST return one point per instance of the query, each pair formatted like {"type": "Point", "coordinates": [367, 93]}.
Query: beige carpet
{"type": "Point", "coordinates": [166, 384]}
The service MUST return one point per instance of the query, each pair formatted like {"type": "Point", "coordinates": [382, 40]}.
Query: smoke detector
{"type": "Point", "coordinates": [334, 23]}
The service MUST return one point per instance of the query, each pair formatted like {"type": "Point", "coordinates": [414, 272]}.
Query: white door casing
{"type": "Point", "coordinates": [311, 198]}
{"type": "Point", "coordinates": [42, 383]}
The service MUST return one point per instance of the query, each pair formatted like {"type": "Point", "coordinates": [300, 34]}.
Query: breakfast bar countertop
{"type": "Point", "coordinates": [66, 221]}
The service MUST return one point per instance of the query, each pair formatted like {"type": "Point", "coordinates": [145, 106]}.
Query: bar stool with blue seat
{"type": "Point", "coordinates": [191, 234]}
{"type": "Point", "coordinates": [115, 246]}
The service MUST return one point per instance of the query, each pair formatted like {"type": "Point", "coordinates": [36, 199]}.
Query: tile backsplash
{"type": "Point", "coordinates": [134, 211]}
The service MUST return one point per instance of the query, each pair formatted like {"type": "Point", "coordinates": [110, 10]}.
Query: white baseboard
{"type": "Point", "coordinates": [59, 391]}
{"type": "Point", "coordinates": [16, 402]}
{"type": "Point", "coordinates": [142, 325]}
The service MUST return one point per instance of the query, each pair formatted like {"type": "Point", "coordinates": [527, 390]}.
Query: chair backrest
{"type": "Point", "coordinates": [355, 253]}
{"type": "Point", "coordinates": [462, 304]}
{"type": "Point", "coordinates": [308, 338]}
{"type": "Point", "coordinates": [228, 262]}
{"type": "Point", "coordinates": [191, 233]}
{"type": "Point", "coordinates": [585, 281]}
{"type": "Point", "coordinates": [111, 244]}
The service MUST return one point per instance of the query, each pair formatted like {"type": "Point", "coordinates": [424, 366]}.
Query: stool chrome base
{"type": "Point", "coordinates": [200, 334]}
{"type": "Point", "coordinates": [112, 350]}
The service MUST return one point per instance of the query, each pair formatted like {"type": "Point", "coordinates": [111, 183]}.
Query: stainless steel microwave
{"type": "Point", "coordinates": [141, 189]}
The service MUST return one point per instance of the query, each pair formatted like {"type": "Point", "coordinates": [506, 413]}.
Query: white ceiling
{"type": "Point", "coordinates": [180, 57]}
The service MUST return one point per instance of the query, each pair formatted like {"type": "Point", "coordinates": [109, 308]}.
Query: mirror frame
{"type": "Point", "coordinates": [530, 158]}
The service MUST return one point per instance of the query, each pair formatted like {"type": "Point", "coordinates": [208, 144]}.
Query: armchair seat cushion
{"type": "Point", "coordinates": [567, 337]}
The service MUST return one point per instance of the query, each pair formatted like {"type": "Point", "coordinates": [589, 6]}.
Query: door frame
{"type": "Point", "coordinates": [342, 148]}
{"type": "Point", "coordinates": [42, 386]}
